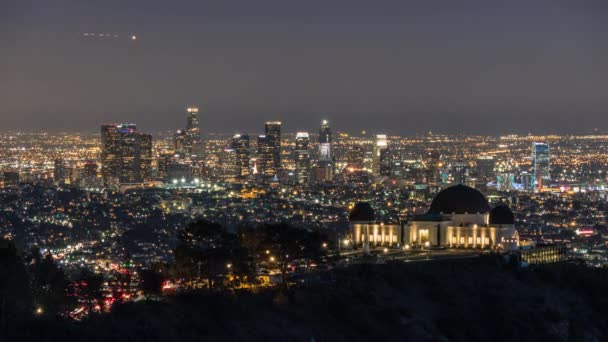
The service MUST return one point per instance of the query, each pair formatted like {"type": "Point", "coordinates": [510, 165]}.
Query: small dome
{"type": "Point", "coordinates": [459, 199]}
{"type": "Point", "coordinates": [362, 211]}
{"type": "Point", "coordinates": [501, 214]}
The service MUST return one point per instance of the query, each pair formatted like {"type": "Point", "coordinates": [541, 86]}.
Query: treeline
{"type": "Point", "coordinates": [33, 285]}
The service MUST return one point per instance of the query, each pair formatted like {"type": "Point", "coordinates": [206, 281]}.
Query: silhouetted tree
{"type": "Point", "coordinates": [90, 288]}
{"type": "Point", "coordinates": [15, 296]}
{"type": "Point", "coordinates": [151, 282]}
{"type": "Point", "coordinates": [50, 287]}
{"type": "Point", "coordinates": [283, 244]}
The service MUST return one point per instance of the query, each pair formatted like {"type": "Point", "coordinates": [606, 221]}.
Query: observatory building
{"type": "Point", "coordinates": [459, 217]}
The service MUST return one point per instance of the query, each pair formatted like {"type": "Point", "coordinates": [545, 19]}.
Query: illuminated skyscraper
{"type": "Point", "coordinates": [302, 157]}
{"type": "Point", "coordinates": [269, 150]}
{"type": "Point", "coordinates": [485, 169]}
{"type": "Point", "coordinates": [325, 142]}
{"type": "Point", "coordinates": [60, 172]}
{"type": "Point", "coordinates": [126, 155]}
{"type": "Point", "coordinates": [541, 165]}
{"type": "Point", "coordinates": [433, 166]}
{"type": "Point", "coordinates": [324, 170]}
{"type": "Point", "coordinates": [240, 143]}
{"type": "Point", "coordinates": [380, 151]}
{"type": "Point", "coordinates": [460, 170]}
{"type": "Point", "coordinates": [266, 161]}
{"type": "Point", "coordinates": [229, 170]}
{"type": "Point", "coordinates": [192, 130]}
{"type": "Point", "coordinates": [181, 143]}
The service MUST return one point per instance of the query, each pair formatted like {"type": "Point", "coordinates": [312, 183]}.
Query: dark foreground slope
{"type": "Point", "coordinates": [472, 300]}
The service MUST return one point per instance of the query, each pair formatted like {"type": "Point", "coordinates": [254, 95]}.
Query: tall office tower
{"type": "Point", "coordinates": [192, 130]}
{"type": "Point", "coordinates": [240, 143]}
{"type": "Point", "coordinates": [541, 165]}
{"type": "Point", "coordinates": [126, 155]}
{"type": "Point", "coordinates": [527, 181]}
{"type": "Point", "coordinates": [380, 148]}
{"type": "Point", "coordinates": [325, 142]}
{"type": "Point", "coordinates": [266, 161]}
{"type": "Point", "coordinates": [181, 144]}
{"type": "Point", "coordinates": [324, 170]}
{"type": "Point", "coordinates": [302, 157]}
{"type": "Point", "coordinates": [433, 167]}
{"type": "Point", "coordinates": [385, 162]}
{"type": "Point", "coordinates": [88, 178]}
{"type": "Point", "coordinates": [163, 162]}
{"type": "Point", "coordinates": [60, 172]}
{"type": "Point", "coordinates": [109, 165]}
{"type": "Point", "coordinates": [485, 169]}
{"type": "Point", "coordinates": [461, 172]}
{"type": "Point", "coordinates": [354, 158]}
{"type": "Point", "coordinates": [273, 132]}
{"type": "Point", "coordinates": [229, 169]}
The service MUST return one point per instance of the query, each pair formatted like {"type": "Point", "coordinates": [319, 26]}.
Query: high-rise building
{"type": "Point", "coordinates": [433, 167]}
{"type": "Point", "coordinates": [181, 144]}
{"type": "Point", "coordinates": [302, 157]}
{"type": "Point", "coordinates": [192, 130]}
{"type": "Point", "coordinates": [380, 150]}
{"type": "Point", "coordinates": [354, 158]}
{"type": "Point", "coordinates": [126, 154]}
{"type": "Point", "coordinates": [460, 170]}
{"type": "Point", "coordinates": [273, 132]}
{"type": "Point", "coordinates": [240, 143]}
{"type": "Point", "coordinates": [229, 168]}
{"type": "Point", "coordinates": [485, 169]}
{"type": "Point", "coordinates": [269, 150]}
{"type": "Point", "coordinates": [325, 139]}
{"type": "Point", "coordinates": [59, 172]}
{"type": "Point", "coordinates": [541, 165]}
{"type": "Point", "coordinates": [266, 161]}
{"type": "Point", "coordinates": [324, 170]}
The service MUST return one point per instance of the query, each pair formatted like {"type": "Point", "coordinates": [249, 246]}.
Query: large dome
{"type": "Point", "coordinates": [459, 199]}
{"type": "Point", "coordinates": [501, 214]}
{"type": "Point", "coordinates": [362, 211]}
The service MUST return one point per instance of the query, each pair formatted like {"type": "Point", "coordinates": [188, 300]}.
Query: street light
{"type": "Point", "coordinates": [271, 259]}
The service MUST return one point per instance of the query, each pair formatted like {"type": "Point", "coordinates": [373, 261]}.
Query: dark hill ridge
{"type": "Point", "coordinates": [467, 300]}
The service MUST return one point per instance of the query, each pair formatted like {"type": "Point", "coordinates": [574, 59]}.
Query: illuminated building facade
{"type": "Point", "coordinates": [541, 163]}
{"type": "Point", "coordinates": [302, 157]}
{"type": "Point", "coordinates": [273, 133]}
{"type": "Point", "coordinates": [126, 154]}
{"type": "Point", "coordinates": [459, 217]}
{"type": "Point", "coordinates": [381, 154]}
{"type": "Point", "coordinates": [192, 130]}
{"type": "Point", "coordinates": [265, 160]}
{"type": "Point", "coordinates": [240, 143]}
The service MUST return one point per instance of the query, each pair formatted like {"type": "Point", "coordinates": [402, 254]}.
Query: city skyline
{"type": "Point", "coordinates": [415, 66]}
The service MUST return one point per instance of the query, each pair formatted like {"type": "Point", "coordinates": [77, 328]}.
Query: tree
{"type": "Point", "coordinates": [90, 288]}
{"type": "Point", "coordinates": [15, 296]}
{"type": "Point", "coordinates": [50, 287]}
{"type": "Point", "coordinates": [283, 244]}
{"type": "Point", "coordinates": [151, 282]}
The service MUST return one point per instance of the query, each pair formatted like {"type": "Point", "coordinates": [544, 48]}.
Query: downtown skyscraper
{"type": "Point", "coordinates": [541, 163]}
{"type": "Point", "coordinates": [126, 155]}
{"type": "Point", "coordinates": [302, 157]}
{"type": "Point", "coordinates": [192, 130]}
{"type": "Point", "coordinates": [324, 170]}
{"type": "Point", "coordinates": [269, 150]}
{"type": "Point", "coordinates": [240, 143]}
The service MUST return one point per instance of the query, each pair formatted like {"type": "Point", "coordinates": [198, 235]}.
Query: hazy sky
{"type": "Point", "coordinates": [401, 66]}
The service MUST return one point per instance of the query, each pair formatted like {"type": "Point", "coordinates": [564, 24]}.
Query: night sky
{"type": "Point", "coordinates": [401, 67]}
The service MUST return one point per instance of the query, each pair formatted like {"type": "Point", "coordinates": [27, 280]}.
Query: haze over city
{"type": "Point", "coordinates": [405, 67]}
{"type": "Point", "coordinates": [253, 170]}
